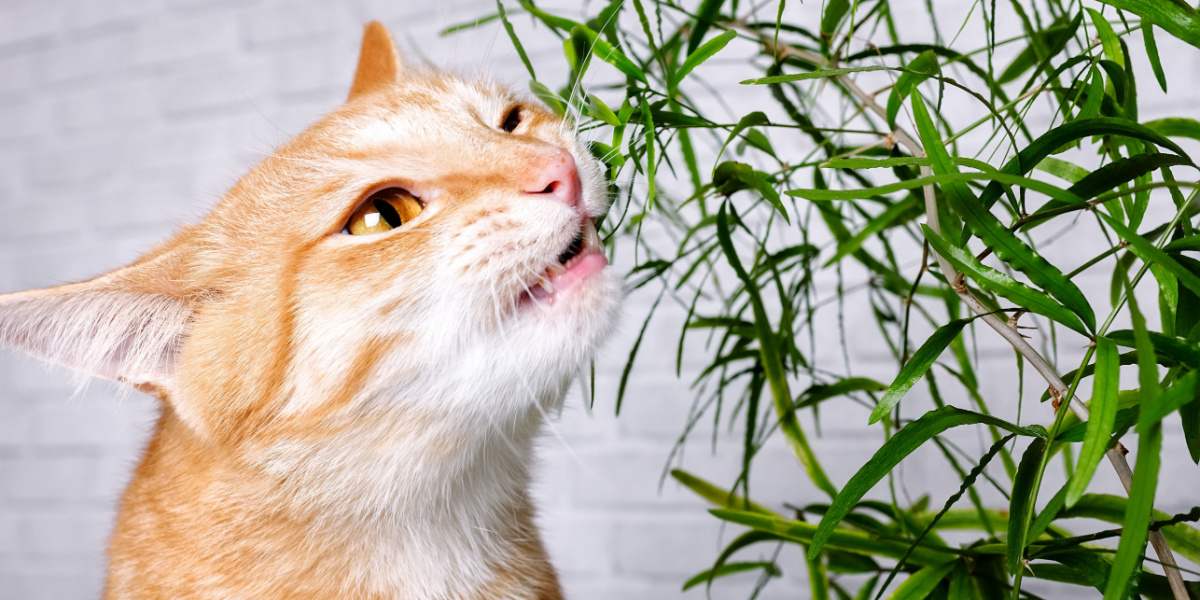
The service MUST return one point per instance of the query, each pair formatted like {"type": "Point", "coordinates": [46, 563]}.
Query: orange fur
{"type": "Point", "coordinates": [345, 417]}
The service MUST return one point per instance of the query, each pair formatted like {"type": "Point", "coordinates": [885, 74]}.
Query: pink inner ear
{"type": "Point", "coordinates": [109, 334]}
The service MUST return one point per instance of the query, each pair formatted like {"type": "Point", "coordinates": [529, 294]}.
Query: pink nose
{"type": "Point", "coordinates": [556, 178]}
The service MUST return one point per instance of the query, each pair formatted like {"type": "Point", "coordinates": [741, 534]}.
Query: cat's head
{"type": "Point", "coordinates": [429, 245]}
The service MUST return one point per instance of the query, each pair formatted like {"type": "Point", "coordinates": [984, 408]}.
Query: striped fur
{"type": "Point", "coordinates": [343, 416]}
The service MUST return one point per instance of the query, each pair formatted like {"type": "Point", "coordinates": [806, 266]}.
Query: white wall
{"type": "Point", "coordinates": [122, 119]}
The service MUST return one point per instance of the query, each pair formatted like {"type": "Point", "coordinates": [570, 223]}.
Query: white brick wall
{"type": "Point", "coordinates": [120, 119]}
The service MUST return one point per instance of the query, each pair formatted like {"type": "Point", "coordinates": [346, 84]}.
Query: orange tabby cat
{"type": "Point", "coordinates": [353, 350]}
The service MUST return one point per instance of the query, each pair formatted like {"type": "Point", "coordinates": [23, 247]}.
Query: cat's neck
{"type": "Point", "coordinates": [424, 507]}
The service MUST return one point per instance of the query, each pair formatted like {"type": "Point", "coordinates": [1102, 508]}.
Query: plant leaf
{"type": "Point", "coordinates": [610, 54]}
{"type": "Point", "coordinates": [1001, 283]}
{"type": "Point", "coordinates": [1148, 253]}
{"type": "Point", "coordinates": [916, 367]}
{"type": "Point", "coordinates": [1022, 502]}
{"type": "Point", "coordinates": [818, 74]}
{"type": "Point", "coordinates": [731, 568]}
{"type": "Point", "coordinates": [701, 54]}
{"type": "Point", "coordinates": [1179, 21]}
{"type": "Point", "coordinates": [1176, 127]}
{"type": "Point", "coordinates": [924, 66]}
{"type": "Point", "coordinates": [922, 583]}
{"type": "Point", "coordinates": [1006, 245]}
{"type": "Point", "coordinates": [900, 445]}
{"type": "Point", "coordinates": [1152, 54]}
{"type": "Point", "coordinates": [1100, 423]}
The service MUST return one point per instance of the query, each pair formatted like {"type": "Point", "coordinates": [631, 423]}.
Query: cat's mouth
{"type": "Point", "coordinates": [578, 261]}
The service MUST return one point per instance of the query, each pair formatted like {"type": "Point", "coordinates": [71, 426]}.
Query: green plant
{"type": "Point", "coordinates": [942, 216]}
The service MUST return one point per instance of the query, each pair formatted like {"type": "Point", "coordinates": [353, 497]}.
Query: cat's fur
{"type": "Point", "coordinates": [347, 416]}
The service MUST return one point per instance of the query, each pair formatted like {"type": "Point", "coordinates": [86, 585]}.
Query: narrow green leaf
{"type": "Point", "coordinates": [897, 213]}
{"type": "Point", "coordinates": [1001, 283]}
{"type": "Point", "coordinates": [602, 111]}
{"type": "Point", "coordinates": [1176, 127]}
{"type": "Point", "coordinates": [731, 568]}
{"type": "Point", "coordinates": [916, 367]}
{"type": "Point", "coordinates": [1179, 394]}
{"type": "Point", "coordinates": [546, 95]}
{"type": "Point", "coordinates": [842, 539]}
{"type": "Point", "coordinates": [1022, 502]}
{"type": "Point", "coordinates": [924, 66]}
{"type": "Point", "coordinates": [894, 450]}
{"type": "Point", "coordinates": [701, 54]}
{"type": "Point", "coordinates": [1140, 507]}
{"type": "Point", "coordinates": [1148, 253]}
{"type": "Point", "coordinates": [468, 25]}
{"type": "Point", "coordinates": [1052, 39]}
{"type": "Point", "coordinates": [706, 14]}
{"type": "Point", "coordinates": [1152, 54]}
{"type": "Point", "coordinates": [819, 74]}
{"type": "Point", "coordinates": [772, 363]}
{"type": "Point", "coordinates": [1180, 21]}
{"type": "Point", "coordinates": [922, 583]}
{"type": "Point", "coordinates": [1103, 415]}
{"type": "Point", "coordinates": [1062, 169]}
{"type": "Point", "coordinates": [1003, 242]}
{"type": "Point", "coordinates": [1135, 527]}
{"type": "Point", "coordinates": [1108, 37]}
{"type": "Point", "coordinates": [516, 41]}
{"type": "Point", "coordinates": [1095, 96]}
{"type": "Point", "coordinates": [608, 53]}
{"type": "Point", "coordinates": [747, 121]}
{"type": "Point", "coordinates": [818, 194]}
{"type": "Point", "coordinates": [835, 11]}
{"type": "Point", "coordinates": [715, 495]}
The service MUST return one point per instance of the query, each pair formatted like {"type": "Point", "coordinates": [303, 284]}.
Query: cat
{"type": "Point", "coordinates": [354, 351]}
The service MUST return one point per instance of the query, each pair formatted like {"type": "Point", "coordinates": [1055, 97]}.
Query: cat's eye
{"type": "Point", "coordinates": [512, 119]}
{"type": "Point", "coordinates": [384, 210]}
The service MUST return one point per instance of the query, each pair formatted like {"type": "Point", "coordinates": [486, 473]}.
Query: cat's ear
{"type": "Point", "coordinates": [378, 62]}
{"type": "Point", "coordinates": [126, 326]}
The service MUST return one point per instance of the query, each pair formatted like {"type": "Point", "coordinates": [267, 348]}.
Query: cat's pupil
{"type": "Point", "coordinates": [388, 212]}
{"type": "Point", "coordinates": [512, 119]}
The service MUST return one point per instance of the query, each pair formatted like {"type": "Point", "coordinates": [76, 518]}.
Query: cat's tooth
{"type": "Point", "coordinates": [554, 270]}
{"type": "Point", "coordinates": [547, 286]}
{"type": "Point", "coordinates": [591, 237]}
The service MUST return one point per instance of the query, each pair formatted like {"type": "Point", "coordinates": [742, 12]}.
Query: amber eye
{"type": "Point", "coordinates": [383, 211]}
{"type": "Point", "coordinates": [512, 119]}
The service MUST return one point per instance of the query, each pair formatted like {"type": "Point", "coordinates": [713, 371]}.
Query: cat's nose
{"type": "Point", "coordinates": [557, 178]}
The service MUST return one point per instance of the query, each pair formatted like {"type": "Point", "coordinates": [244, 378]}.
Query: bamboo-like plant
{"type": "Point", "coordinates": [926, 173]}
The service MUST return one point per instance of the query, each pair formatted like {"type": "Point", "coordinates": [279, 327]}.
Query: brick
{"type": "Point", "coordinates": [96, 419]}
{"type": "Point", "coordinates": [87, 15]}
{"type": "Point", "coordinates": [281, 22]}
{"type": "Point", "coordinates": [666, 545]}
{"type": "Point", "coordinates": [190, 38]}
{"type": "Point", "coordinates": [29, 20]}
{"type": "Point", "coordinates": [66, 534]}
{"type": "Point", "coordinates": [122, 105]}
{"type": "Point", "coordinates": [51, 584]}
{"type": "Point", "coordinates": [66, 480]}
{"type": "Point", "coordinates": [213, 85]}
{"type": "Point", "coordinates": [579, 544]}
{"type": "Point", "coordinates": [100, 54]}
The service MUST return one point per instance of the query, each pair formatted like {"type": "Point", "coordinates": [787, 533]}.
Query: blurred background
{"type": "Point", "coordinates": [123, 119]}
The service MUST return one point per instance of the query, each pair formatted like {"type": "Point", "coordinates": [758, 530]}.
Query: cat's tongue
{"type": "Point", "coordinates": [588, 262]}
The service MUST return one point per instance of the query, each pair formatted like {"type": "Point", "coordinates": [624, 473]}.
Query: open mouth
{"type": "Point", "coordinates": [578, 261]}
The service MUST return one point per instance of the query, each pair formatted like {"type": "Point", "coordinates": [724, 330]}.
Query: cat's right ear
{"type": "Point", "coordinates": [127, 325]}
{"type": "Point", "coordinates": [378, 62]}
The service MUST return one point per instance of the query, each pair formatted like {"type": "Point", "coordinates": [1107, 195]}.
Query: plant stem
{"type": "Point", "coordinates": [1048, 372]}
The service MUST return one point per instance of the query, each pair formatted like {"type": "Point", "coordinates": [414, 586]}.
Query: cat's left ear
{"type": "Point", "coordinates": [378, 62]}
{"type": "Point", "coordinates": [127, 325]}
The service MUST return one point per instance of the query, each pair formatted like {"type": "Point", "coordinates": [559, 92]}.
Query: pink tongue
{"type": "Point", "coordinates": [587, 265]}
